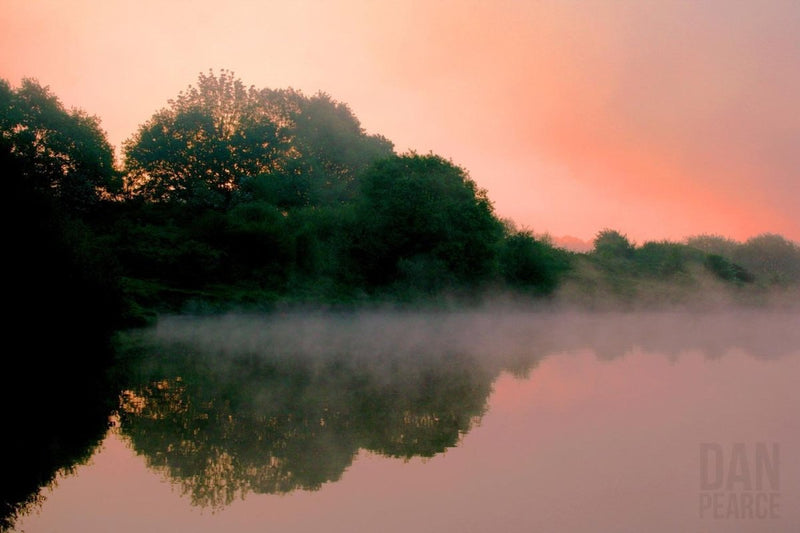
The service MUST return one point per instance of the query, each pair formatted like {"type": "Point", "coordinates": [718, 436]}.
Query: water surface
{"type": "Point", "coordinates": [506, 421]}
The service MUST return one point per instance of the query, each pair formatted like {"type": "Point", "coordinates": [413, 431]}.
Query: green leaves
{"type": "Point", "coordinates": [611, 244]}
{"type": "Point", "coordinates": [423, 210]}
{"type": "Point", "coordinates": [531, 264]}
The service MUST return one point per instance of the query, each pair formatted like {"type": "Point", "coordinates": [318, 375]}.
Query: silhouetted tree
{"type": "Point", "coordinates": [55, 163]}
{"type": "Point", "coordinates": [294, 150]}
{"type": "Point", "coordinates": [62, 291]}
{"type": "Point", "coordinates": [195, 150]}
{"type": "Point", "coordinates": [63, 154]}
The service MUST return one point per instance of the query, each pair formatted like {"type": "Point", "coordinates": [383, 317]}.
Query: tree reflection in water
{"type": "Point", "coordinates": [55, 415]}
{"type": "Point", "coordinates": [227, 406]}
{"type": "Point", "coordinates": [223, 423]}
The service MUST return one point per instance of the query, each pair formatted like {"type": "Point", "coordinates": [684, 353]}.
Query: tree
{"type": "Point", "coordinates": [772, 258]}
{"type": "Point", "coordinates": [713, 244]}
{"type": "Point", "coordinates": [294, 150]}
{"type": "Point", "coordinates": [196, 149]}
{"type": "Point", "coordinates": [63, 154]}
{"type": "Point", "coordinates": [664, 258]}
{"type": "Point", "coordinates": [55, 163]}
{"type": "Point", "coordinates": [610, 244]}
{"type": "Point", "coordinates": [333, 148]}
{"type": "Point", "coordinates": [768, 257]}
{"type": "Point", "coordinates": [328, 150]}
{"type": "Point", "coordinates": [423, 219]}
{"type": "Point", "coordinates": [532, 264]}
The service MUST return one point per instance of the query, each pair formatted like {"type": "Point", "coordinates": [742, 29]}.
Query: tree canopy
{"type": "Point", "coordinates": [423, 218]}
{"type": "Point", "coordinates": [63, 153]}
{"type": "Point", "coordinates": [238, 195]}
{"type": "Point", "coordinates": [213, 137]}
{"type": "Point", "coordinates": [612, 244]}
{"type": "Point", "coordinates": [329, 149]}
{"type": "Point", "coordinates": [195, 150]}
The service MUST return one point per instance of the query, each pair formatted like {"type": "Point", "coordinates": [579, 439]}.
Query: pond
{"type": "Point", "coordinates": [504, 420]}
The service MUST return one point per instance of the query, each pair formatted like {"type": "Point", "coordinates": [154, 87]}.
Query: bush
{"type": "Point", "coordinates": [530, 264]}
{"type": "Point", "coordinates": [423, 210]}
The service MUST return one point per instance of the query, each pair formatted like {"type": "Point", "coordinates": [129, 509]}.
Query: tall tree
{"type": "Point", "coordinates": [196, 149]}
{"type": "Point", "coordinates": [62, 153]}
{"type": "Point", "coordinates": [279, 146]}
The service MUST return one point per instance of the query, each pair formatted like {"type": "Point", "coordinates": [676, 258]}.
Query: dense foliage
{"type": "Point", "coordinates": [62, 154]}
{"type": "Point", "coordinates": [422, 221]}
{"type": "Point", "coordinates": [58, 166]}
{"type": "Point", "coordinates": [294, 150]}
{"type": "Point", "coordinates": [232, 195]}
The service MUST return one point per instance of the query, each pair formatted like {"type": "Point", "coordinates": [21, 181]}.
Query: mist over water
{"type": "Point", "coordinates": [490, 335]}
{"type": "Point", "coordinates": [338, 411]}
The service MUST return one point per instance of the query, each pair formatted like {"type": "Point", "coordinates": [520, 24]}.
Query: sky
{"type": "Point", "coordinates": [659, 119]}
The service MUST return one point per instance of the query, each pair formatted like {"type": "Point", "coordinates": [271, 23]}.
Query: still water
{"type": "Point", "coordinates": [449, 422]}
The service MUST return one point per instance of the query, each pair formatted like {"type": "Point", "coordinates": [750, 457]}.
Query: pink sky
{"type": "Point", "coordinates": [659, 119]}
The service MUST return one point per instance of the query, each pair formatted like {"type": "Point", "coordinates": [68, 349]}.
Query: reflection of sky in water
{"type": "Point", "coordinates": [587, 441]}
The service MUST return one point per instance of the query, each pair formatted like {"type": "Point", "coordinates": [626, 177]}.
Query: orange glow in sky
{"type": "Point", "coordinates": [659, 119]}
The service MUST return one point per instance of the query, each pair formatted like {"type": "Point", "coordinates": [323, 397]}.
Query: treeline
{"type": "Point", "coordinates": [701, 270]}
{"type": "Point", "coordinates": [232, 195]}
{"type": "Point", "coordinates": [765, 260]}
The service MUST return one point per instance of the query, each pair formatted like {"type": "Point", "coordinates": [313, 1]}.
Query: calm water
{"type": "Point", "coordinates": [491, 421]}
